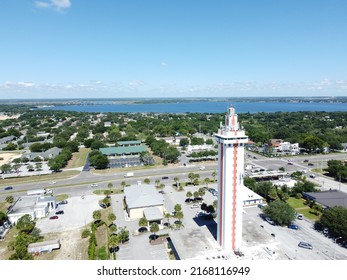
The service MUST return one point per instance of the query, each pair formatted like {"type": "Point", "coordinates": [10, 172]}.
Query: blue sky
{"type": "Point", "coordinates": [177, 48]}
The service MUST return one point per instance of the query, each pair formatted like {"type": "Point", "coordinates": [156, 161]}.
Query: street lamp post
{"type": "Point", "coordinates": [335, 241]}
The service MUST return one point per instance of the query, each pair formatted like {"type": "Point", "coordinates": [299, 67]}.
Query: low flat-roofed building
{"type": "Point", "coordinates": [140, 197]}
{"type": "Point", "coordinates": [153, 215]}
{"type": "Point", "coordinates": [43, 247]}
{"type": "Point", "coordinates": [328, 199]}
{"type": "Point", "coordinates": [195, 244]}
{"type": "Point", "coordinates": [129, 143]}
{"type": "Point", "coordinates": [251, 198]}
{"type": "Point", "coordinates": [35, 206]}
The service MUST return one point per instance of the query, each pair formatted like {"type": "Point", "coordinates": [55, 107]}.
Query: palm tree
{"type": "Point", "coordinates": [176, 179]}
{"type": "Point", "coordinates": [167, 216]}
{"type": "Point", "coordinates": [157, 181]}
{"type": "Point", "coordinates": [123, 184]}
{"type": "Point", "coordinates": [207, 181]}
{"type": "Point", "coordinates": [110, 186]}
{"type": "Point", "coordinates": [191, 177]}
{"type": "Point", "coordinates": [143, 222]}
{"type": "Point", "coordinates": [96, 215]}
{"type": "Point", "coordinates": [214, 175]}
{"type": "Point", "coordinates": [154, 228]}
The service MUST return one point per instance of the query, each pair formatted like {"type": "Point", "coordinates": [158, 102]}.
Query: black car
{"type": "Point", "coordinates": [63, 202]}
{"type": "Point", "coordinates": [60, 212]}
{"type": "Point", "coordinates": [143, 229]}
{"type": "Point", "coordinates": [114, 249]}
{"type": "Point", "coordinates": [165, 177]}
{"type": "Point", "coordinates": [8, 188]}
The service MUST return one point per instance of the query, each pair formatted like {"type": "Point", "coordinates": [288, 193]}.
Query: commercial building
{"type": "Point", "coordinates": [144, 201]}
{"type": "Point", "coordinates": [231, 140]}
{"type": "Point", "coordinates": [328, 199]}
{"type": "Point", "coordinates": [35, 206]}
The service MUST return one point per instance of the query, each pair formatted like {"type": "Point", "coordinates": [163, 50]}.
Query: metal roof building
{"type": "Point", "coordinates": [328, 199]}
{"type": "Point", "coordinates": [138, 198]}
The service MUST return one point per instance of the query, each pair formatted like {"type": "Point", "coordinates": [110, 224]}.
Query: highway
{"type": "Point", "coordinates": [81, 183]}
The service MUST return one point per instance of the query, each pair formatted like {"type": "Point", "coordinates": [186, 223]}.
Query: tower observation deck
{"type": "Point", "coordinates": [231, 140]}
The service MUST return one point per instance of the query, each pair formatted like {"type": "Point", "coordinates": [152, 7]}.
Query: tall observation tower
{"type": "Point", "coordinates": [231, 140]}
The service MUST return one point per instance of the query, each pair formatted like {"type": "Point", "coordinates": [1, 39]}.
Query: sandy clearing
{"type": "Point", "coordinates": [7, 157]}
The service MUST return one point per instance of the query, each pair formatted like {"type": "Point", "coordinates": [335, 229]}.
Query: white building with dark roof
{"type": "Point", "coordinates": [142, 201]}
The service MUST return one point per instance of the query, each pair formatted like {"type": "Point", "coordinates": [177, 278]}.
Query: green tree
{"type": "Point", "coordinates": [97, 215]}
{"type": "Point", "coordinates": [9, 199]}
{"type": "Point", "coordinates": [189, 194]}
{"type": "Point", "coordinates": [214, 175]}
{"type": "Point", "coordinates": [147, 180]}
{"type": "Point", "coordinates": [207, 181]}
{"type": "Point", "coordinates": [335, 220]}
{"type": "Point", "coordinates": [176, 179]}
{"type": "Point", "coordinates": [280, 212]}
{"type": "Point", "coordinates": [110, 186]}
{"type": "Point", "coordinates": [123, 235]}
{"type": "Point", "coordinates": [143, 222]}
{"type": "Point", "coordinates": [184, 142]}
{"type": "Point", "coordinates": [178, 207]}
{"type": "Point", "coordinates": [154, 228]}
{"type": "Point", "coordinates": [111, 217]}
{"type": "Point", "coordinates": [25, 224]}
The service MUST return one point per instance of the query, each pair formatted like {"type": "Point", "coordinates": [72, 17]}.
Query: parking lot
{"type": "Point", "coordinates": [77, 213]}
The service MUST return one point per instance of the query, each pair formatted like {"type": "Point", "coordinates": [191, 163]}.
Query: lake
{"type": "Point", "coordinates": [205, 107]}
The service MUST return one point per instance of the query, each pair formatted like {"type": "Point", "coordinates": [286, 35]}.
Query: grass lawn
{"type": "Point", "coordinates": [296, 203]}
{"type": "Point", "coordinates": [79, 158]}
{"type": "Point", "coordinates": [308, 215]}
{"type": "Point", "coordinates": [41, 178]}
{"type": "Point", "coordinates": [61, 197]}
{"type": "Point", "coordinates": [3, 207]}
{"type": "Point", "coordinates": [300, 207]}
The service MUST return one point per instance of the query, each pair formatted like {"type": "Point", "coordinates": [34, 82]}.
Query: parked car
{"type": "Point", "coordinates": [305, 245]}
{"type": "Point", "coordinates": [63, 202]}
{"type": "Point", "coordinates": [269, 220]}
{"type": "Point", "coordinates": [142, 229]}
{"type": "Point", "coordinates": [194, 206]}
{"type": "Point", "coordinates": [8, 188]}
{"type": "Point", "coordinates": [114, 249]}
{"type": "Point", "coordinates": [60, 212]}
{"type": "Point", "coordinates": [53, 217]}
{"type": "Point", "coordinates": [300, 217]}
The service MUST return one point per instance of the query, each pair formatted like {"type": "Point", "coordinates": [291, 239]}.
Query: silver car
{"type": "Point", "coordinates": [305, 245]}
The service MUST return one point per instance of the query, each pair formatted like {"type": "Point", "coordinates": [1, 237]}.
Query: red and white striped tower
{"type": "Point", "coordinates": [231, 140]}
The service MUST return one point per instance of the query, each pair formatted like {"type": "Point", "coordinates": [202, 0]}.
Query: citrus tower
{"type": "Point", "coordinates": [231, 140]}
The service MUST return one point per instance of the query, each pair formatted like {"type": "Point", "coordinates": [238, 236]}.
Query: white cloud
{"type": "Point", "coordinates": [136, 83]}
{"type": "Point", "coordinates": [55, 4]}
{"type": "Point", "coordinates": [163, 64]}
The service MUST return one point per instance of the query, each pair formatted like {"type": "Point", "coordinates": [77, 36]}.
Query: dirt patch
{"type": "Point", "coordinates": [73, 247]}
{"type": "Point", "coordinates": [7, 157]}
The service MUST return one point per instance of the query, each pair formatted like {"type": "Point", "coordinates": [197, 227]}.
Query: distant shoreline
{"type": "Point", "coordinates": [129, 101]}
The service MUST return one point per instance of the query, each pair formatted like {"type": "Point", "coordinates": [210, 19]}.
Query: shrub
{"type": "Point", "coordinates": [85, 233]}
